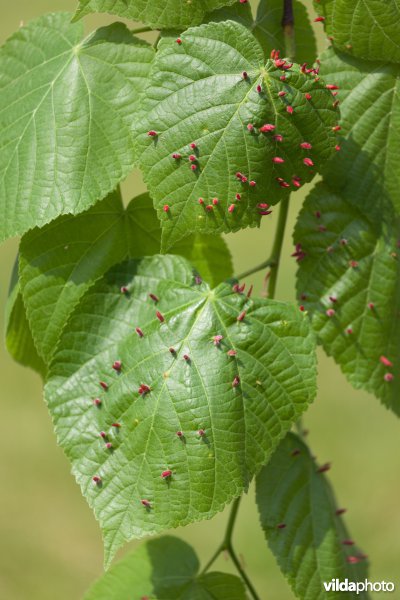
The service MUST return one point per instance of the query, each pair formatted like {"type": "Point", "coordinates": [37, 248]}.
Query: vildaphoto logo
{"type": "Point", "coordinates": [336, 585]}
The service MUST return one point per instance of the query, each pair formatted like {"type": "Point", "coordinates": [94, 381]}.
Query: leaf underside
{"type": "Point", "coordinates": [244, 402]}
{"type": "Point", "coordinates": [298, 515]}
{"type": "Point", "coordinates": [164, 569]}
{"type": "Point", "coordinates": [364, 28]}
{"type": "Point", "coordinates": [18, 338]}
{"type": "Point", "coordinates": [66, 112]}
{"type": "Point", "coordinates": [159, 14]}
{"type": "Point", "coordinates": [60, 261]}
{"type": "Point", "coordinates": [197, 95]}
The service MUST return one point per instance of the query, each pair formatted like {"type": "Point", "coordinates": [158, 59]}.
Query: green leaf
{"type": "Point", "coordinates": [59, 262]}
{"type": "Point", "coordinates": [269, 32]}
{"type": "Point", "coordinates": [197, 94]}
{"type": "Point", "coordinates": [298, 515]}
{"type": "Point", "coordinates": [366, 168]}
{"type": "Point", "coordinates": [239, 12]}
{"type": "Point", "coordinates": [159, 14]}
{"type": "Point", "coordinates": [66, 107]}
{"type": "Point", "coordinates": [244, 402]}
{"type": "Point", "coordinates": [367, 29]}
{"type": "Point", "coordinates": [353, 257]}
{"type": "Point", "coordinates": [164, 569]}
{"type": "Point", "coordinates": [19, 341]}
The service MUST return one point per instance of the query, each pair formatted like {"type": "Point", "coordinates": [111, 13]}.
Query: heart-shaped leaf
{"type": "Point", "coordinates": [164, 569]}
{"type": "Point", "coordinates": [303, 526]}
{"type": "Point", "coordinates": [366, 168]}
{"type": "Point", "coordinates": [173, 395]}
{"type": "Point", "coordinates": [268, 29]}
{"type": "Point", "coordinates": [59, 262]}
{"type": "Point", "coordinates": [66, 107]}
{"type": "Point", "coordinates": [349, 281]}
{"type": "Point", "coordinates": [159, 14]}
{"type": "Point", "coordinates": [367, 29]}
{"type": "Point", "coordinates": [203, 138]}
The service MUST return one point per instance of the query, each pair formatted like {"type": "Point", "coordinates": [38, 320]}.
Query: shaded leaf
{"type": "Point", "coordinates": [355, 262]}
{"type": "Point", "coordinates": [243, 402]}
{"type": "Point", "coordinates": [59, 262]}
{"type": "Point", "coordinates": [19, 341]}
{"type": "Point", "coordinates": [164, 569]}
{"type": "Point", "coordinates": [197, 94]}
{"type": "Point", "coordinates": [269, 32]}
{"type": "Point", "coordinates": [367, 29]}
{"type": "Point", "coordinates": [239, 12]}
{"type": "Point", "coordinates": [66, 107]}
{"type": "Point", "coordinates": [159, 14]}
{"type": "Point", "coordinates": [366, 168]}
{"type": "Point", "coordinates": [298, 515]}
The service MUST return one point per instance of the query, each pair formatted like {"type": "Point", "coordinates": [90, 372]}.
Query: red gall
{"type": "Point", "coordinates": [385, 361]}
{"type": "Point", "coordinates": [324, 468]}
{"type": "Point", "coordinates": [267, 127]}
{"type": "Point", "coordinates": [139, 332]}
{"type": "Point", "coordinates": [160, 317]}
{"type": "Point", "coordinates": [166, 474]}
{"type": "Point", "coordinates": [236, 381]}
{"type": "Point", "coordinates": [117, 366]}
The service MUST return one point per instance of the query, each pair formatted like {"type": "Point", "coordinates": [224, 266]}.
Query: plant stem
{"type": "Point", "coordinates": [143, 29]}
{"type": "Point", "coordinates": [288, 29]}
{"type": "Point", "coordinates": [264, 265]}
{"type": "Point", "coordinates": [277, 247]}
{"type": "Point", "coordinates": [273, 262]}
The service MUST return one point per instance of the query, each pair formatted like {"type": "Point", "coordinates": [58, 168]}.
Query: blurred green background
{"type": "Point", "coordinates": [50, 544]}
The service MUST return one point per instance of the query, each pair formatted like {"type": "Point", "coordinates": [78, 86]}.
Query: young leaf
{"type": "Point", "coordinates": [59, 262]}
{"type": "Point", "coordinates": [159, 14]}
{"type": "Point", "coordinates": [366, 167]}
{"type": "Point", "coordinates": [19, 341]}
{"type": "Point", "coordinates": [349, 280]}
{"type": "Point", "coordinates": [66, 110]}
{"type": "Point", "coordinates": [368, 29]}
{"type": "Point", "coordinates": [269, 32]}
{"type": "Point", "coordinates": [204, 91]}
{"type": "Point", "coordinates": [163, 569]}
{"type": "Point", "coordinates": [299, 516]}
{"type": "Point", "coordinates": [203, 392]}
